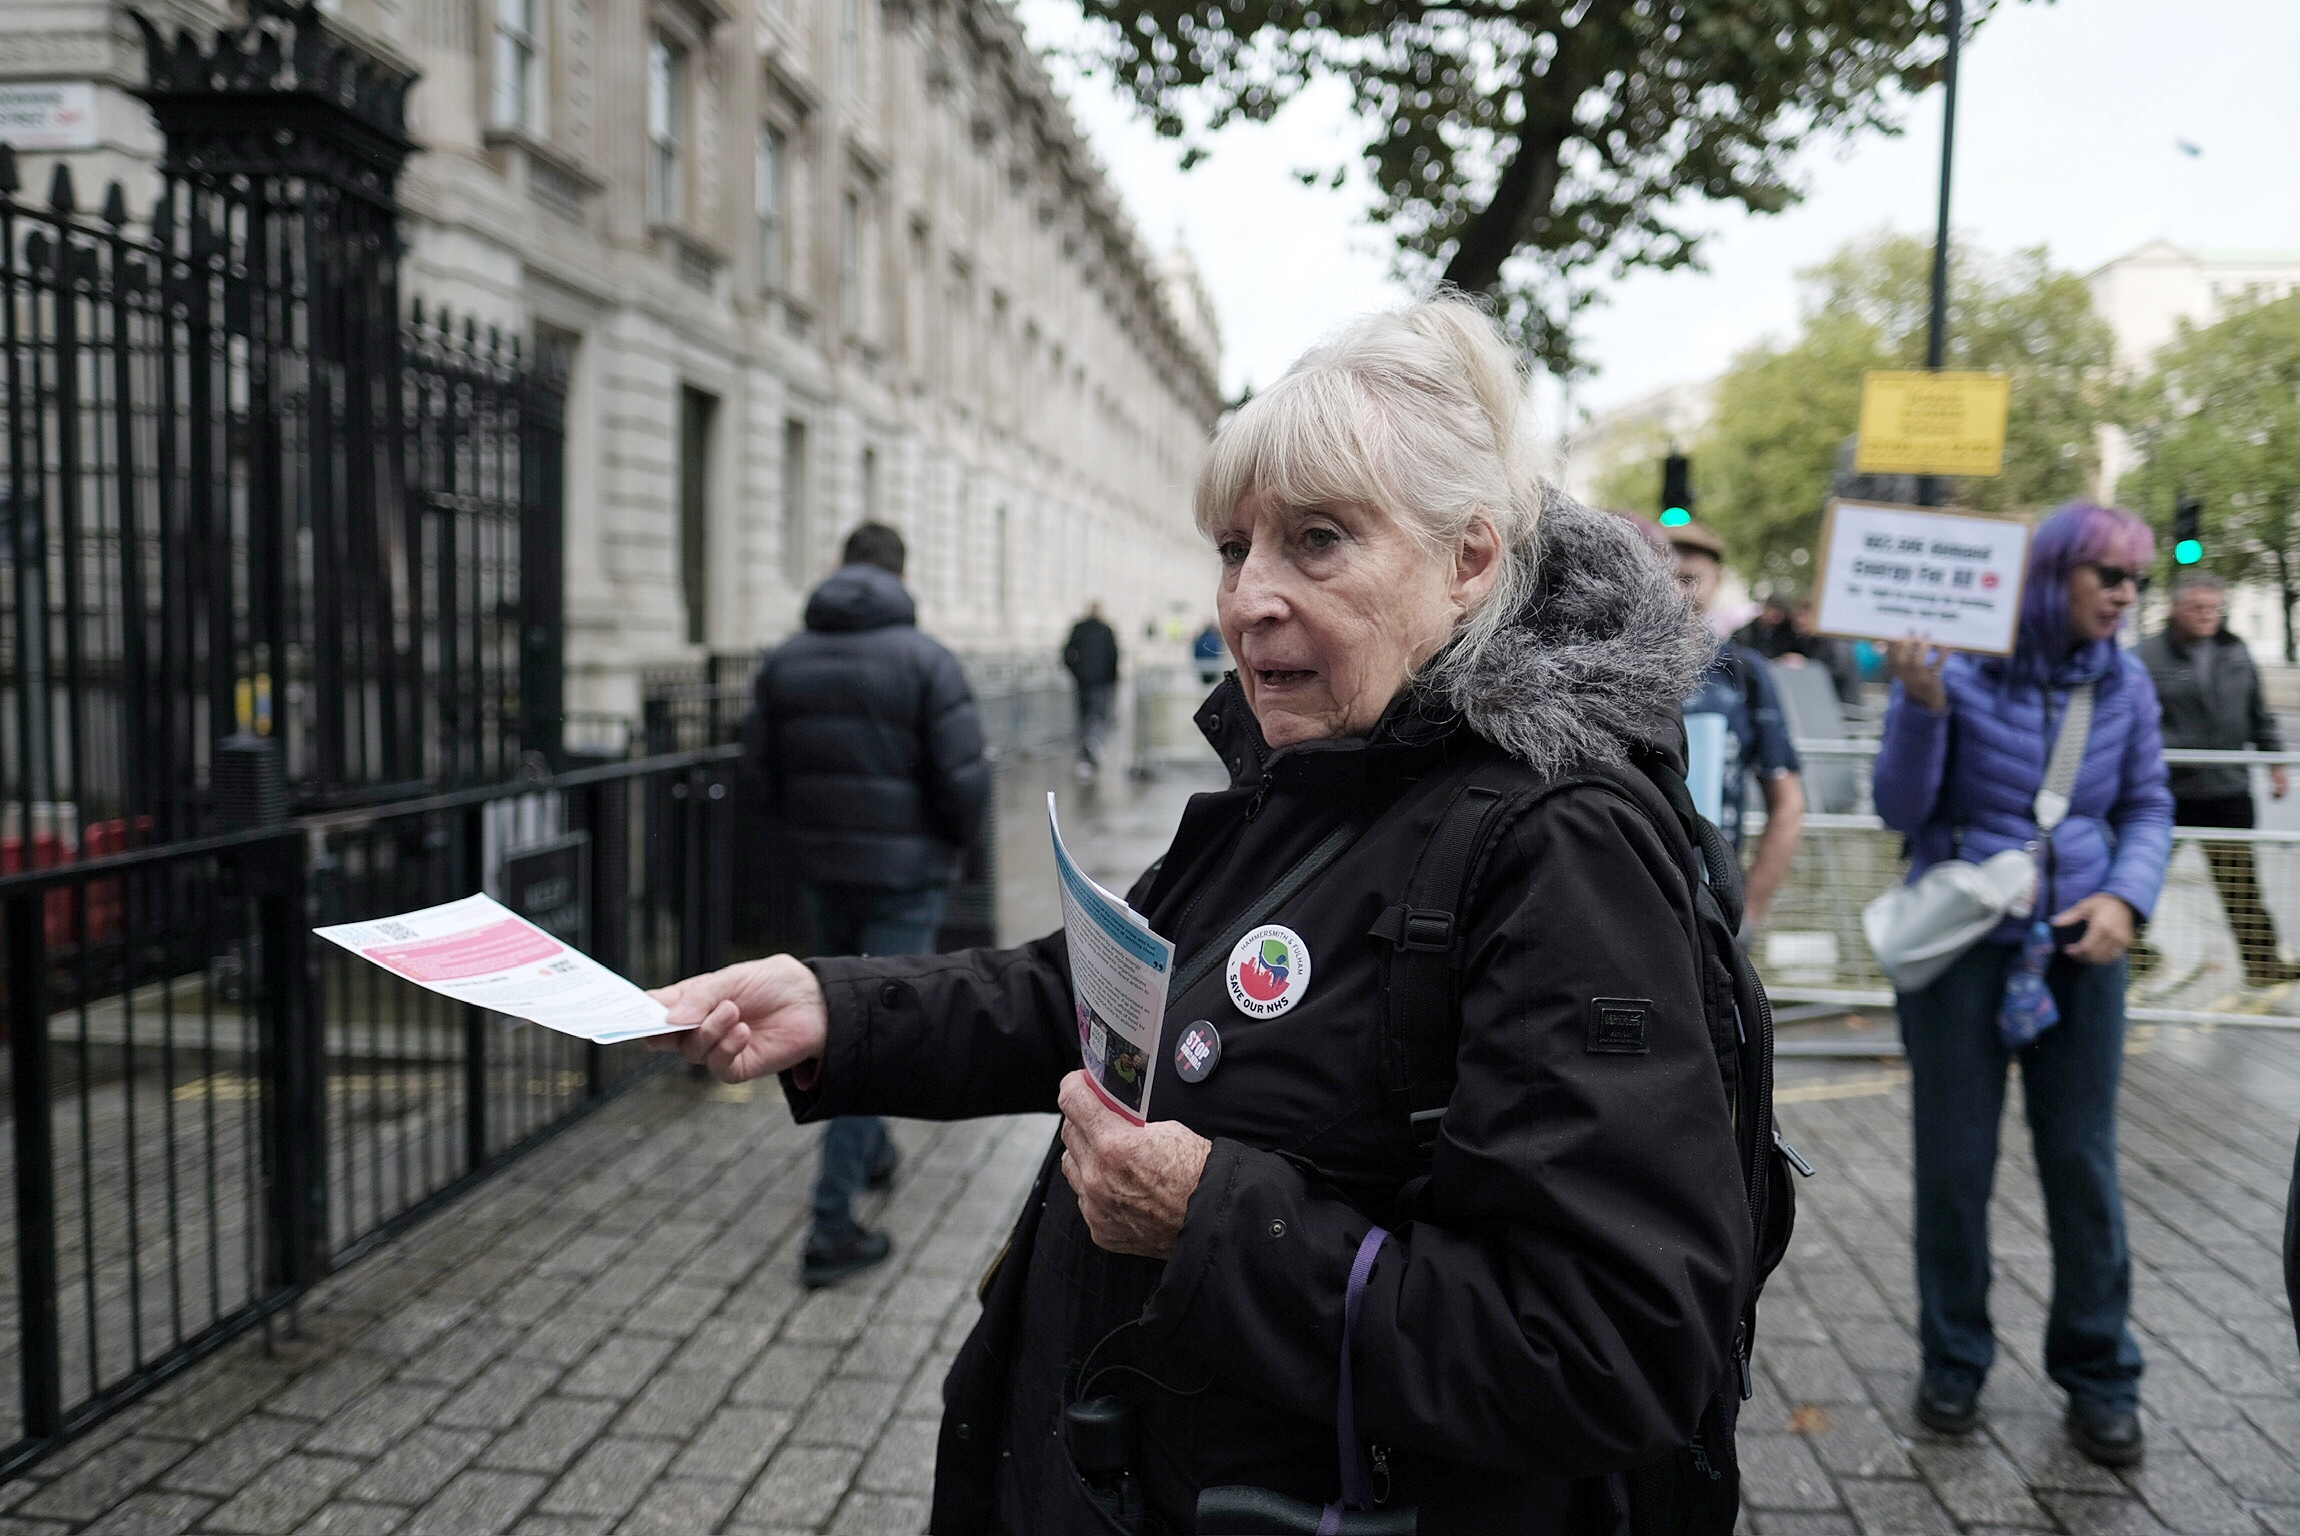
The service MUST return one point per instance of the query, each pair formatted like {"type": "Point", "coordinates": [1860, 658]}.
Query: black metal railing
{"type": "Point", "coordinates": [246, 493]}
{"type": "Point", "coordinates": [210, 1109]}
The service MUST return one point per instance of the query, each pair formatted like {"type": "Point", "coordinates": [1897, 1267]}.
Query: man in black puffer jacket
{"type": "Point", "coordinates": [864, 733]}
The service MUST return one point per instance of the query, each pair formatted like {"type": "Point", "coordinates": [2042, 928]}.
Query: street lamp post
{"type": "Point", "coordinates": [1937, 328]}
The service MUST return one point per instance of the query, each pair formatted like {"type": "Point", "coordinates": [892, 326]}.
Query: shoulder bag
{"type": "Point", "coordinates": [1919, 928]}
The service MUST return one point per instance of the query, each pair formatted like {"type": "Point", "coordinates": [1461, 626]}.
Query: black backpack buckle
{"type": "Point", "coordinates": [1426, 928]}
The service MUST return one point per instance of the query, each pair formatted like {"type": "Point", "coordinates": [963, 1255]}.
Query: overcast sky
{"type": "Point", "coordinates": [2069, 118]}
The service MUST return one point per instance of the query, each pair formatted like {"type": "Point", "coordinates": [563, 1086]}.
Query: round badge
{"type": "Point", "coordinates": [1269, 971]}
{"type": "Point", "coordinates": [1197, 1052]}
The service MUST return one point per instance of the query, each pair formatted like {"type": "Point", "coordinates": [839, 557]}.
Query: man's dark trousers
{"type": "Point", "coordinates": [2069, 1076]}
{"type": "Point", "coordinates": [2238, 880]}
{"type": "Point", "coordinates": [849, 920]}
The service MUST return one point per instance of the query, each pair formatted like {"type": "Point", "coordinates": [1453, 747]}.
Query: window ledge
{"type": "Point", "coordinates": [544, 150]}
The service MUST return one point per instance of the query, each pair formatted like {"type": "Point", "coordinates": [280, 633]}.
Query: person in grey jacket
{"type": "Point", "coordinates": [2211, 695]}
{"type": "Point", "coordinates": [864, 734]}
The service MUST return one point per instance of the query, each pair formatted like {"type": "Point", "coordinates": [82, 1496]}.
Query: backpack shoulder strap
{"type": "Point", "coordinates": [1424, 930]}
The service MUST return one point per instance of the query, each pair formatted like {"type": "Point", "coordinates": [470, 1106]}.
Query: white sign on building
{"type": "Point", "coordinates": [48, 114]}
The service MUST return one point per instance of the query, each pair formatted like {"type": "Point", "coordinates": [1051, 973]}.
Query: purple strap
{"type": "Point", "coordinates": [1357, 1474]}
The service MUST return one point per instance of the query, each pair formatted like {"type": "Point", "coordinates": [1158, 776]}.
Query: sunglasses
{"type": "Point", "coordinates": [2118, 575]}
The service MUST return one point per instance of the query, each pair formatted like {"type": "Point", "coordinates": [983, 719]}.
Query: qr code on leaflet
{"type": "Point", "coordinates": [391, 930]}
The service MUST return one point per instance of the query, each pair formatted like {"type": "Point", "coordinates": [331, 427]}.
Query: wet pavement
{"type": "Point", "coordinates": [610, 1337]}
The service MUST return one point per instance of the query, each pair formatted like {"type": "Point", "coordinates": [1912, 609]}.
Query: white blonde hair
{"type": "Point", "coordinates": [1420, 413]}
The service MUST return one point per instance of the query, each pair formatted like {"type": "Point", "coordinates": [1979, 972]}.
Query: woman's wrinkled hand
{"type": "Point", "coordinates": [1134, 1182]}
{"type": "Point", "coordinates": [2109, 924]}
{"type": "Point", "coordinates": [751, 1020]}
{"type": "Point", "coordinates": [1917, 664]}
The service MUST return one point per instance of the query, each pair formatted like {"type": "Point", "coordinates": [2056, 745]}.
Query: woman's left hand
{"type": "Point", "coordinates": [1134, 1182]}
{"type": "Point", "coordinates": [2109, 924]}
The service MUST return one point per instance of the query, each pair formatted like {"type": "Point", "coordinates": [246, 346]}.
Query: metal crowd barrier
{"type": "Point", "coordinates": [2222, 948]}
{"type": "Point", "coordinates": [210, 1109]}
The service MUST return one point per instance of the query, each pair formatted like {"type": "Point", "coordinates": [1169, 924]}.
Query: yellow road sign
{"type": "Point", "coordinates": [1925, 423]}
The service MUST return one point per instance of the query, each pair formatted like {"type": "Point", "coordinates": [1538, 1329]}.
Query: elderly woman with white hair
{"type": "Point", "coordinates": [1470, 1140]}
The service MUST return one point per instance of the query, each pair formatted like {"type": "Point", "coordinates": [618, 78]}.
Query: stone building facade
{"type": "Point", "coordinates": [814, 261]}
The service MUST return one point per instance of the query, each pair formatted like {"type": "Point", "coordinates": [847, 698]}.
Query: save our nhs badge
{"type": "Point", "coordinates": [1268, 972]}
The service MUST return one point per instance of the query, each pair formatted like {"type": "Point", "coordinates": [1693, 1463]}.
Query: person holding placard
{"type": "Point", "coordinates": [1962, 772]}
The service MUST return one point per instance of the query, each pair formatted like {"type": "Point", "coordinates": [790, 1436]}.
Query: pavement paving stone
{"type": "Point", "coordinates": [677, 1403]}
{"type": "Point", "coordinates": [681, 1506]}
{"type": "Point", "coordinates": [287, 1493]}
{"type": "Point", "coordinates": [480, 1502]}
{"type": "Point", "coordinates": [343, 1518]}
{"type": "Point", "coordinates": [903, 1460]}
{"type": "Point", "coordinates": [94, 1487]}
{"type": "Point", "coordinates": [2084, 1514]}
{"type": "Point", "coordinates": [735, 1444]}
{"type": "Point", "coordinates": [608, 1478]}
{"type": "Point", "coordinates": [800, 1488]}
{"type": "Point", "coordinates": [879, 1514]}
{"type": "Point", "coordinates": [2247, 1463]}
{"type": "Point", "coordinates": [2281, 1520]}
{"type": "Point", "coordinates": [1979, 1485]}
{"type": "Point", "coordinates": [226, 1464]}
{"type": "Point", "coordinates": [619, 1368]}
{"type": "Point", "coordinates": [563, 1525]}
{"type": "Point", "coordinates": [1853, 1440]}
{"type": "Point", "coordinates": [549, 1437]}
{"type": "Point", "coordinates": [1780, 1523]}
{"type": "Point", "coordinates": [153, 1514]}
{"type": "Point", "coordinates": [786, 1375]}
{"type": "Point", "coordinates": [1780, 1471]}
{"type": "Point", "coordinates": [847, 1411]}
{"type": "Point", "coordinates": [217, 1398]}
{"type": "Point", "coordinates": [1896, 1509]}
{"type": "Point", "coordinates": [418, 1467]}
{"type": "Point", "coordinates": [564, 1337]}
{"type": "Point", "coordinates": [498, 1396]}
{"type": "Point", "coordinates": [321, 1392]}
{"type": "Point", "coordinates": [888, 1349]}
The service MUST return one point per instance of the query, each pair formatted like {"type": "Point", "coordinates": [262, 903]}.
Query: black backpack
{"type": "Point", "coordinates": [1694, 1491]}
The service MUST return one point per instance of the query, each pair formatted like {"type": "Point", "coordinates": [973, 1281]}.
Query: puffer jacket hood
{"type": "Point", "coordinates": [857, 597]}
{"type": "Point", "coordinates": [1598, 661]}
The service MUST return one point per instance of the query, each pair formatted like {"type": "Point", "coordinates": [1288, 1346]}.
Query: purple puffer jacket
{"type": "Point", "coordinates": [1974, 769]}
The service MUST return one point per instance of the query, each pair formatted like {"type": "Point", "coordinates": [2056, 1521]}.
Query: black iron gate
{"type": "Point", "coordinates": [248, 494]}
{"type": "Point", "coordinates": [280, 628]}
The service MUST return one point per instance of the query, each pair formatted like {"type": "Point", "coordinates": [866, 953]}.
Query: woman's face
{"type": "Point", "coordinates": [1330, 609]}
{"type": "Point", "coordinates": [2096, 606]}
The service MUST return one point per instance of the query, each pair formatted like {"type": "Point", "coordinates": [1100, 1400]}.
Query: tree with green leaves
{"type": "Point", "coordinates": [2220, 420]}
{"type": "Point", "coordinates": [1784, 410]}
{"type": "Point", "coordinates": [1532, 149]}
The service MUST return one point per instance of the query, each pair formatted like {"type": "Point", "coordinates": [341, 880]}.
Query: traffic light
{"type": "Point", "coordinates": [1676, 491]}
{"type": "Point", "coordinates": [2187, 531]}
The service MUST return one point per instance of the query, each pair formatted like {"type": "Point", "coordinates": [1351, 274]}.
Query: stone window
{"type": "Point", "coordinates": [666, 130]}
{"type": "Point", "coordinates": [519, 93]}
{"type": "Point", "coordinates": [772, 198]}
{"type": "Point", "coordinates": [796, 569]}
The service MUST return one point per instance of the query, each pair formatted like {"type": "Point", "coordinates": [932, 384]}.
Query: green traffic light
{"type": "Point", "coordinates": [2186, 552]}
{"type": "Point", "coordinates": [1676, 517]}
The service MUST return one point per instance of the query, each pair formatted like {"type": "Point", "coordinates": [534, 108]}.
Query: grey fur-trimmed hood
{"type": "Point", "coordinates": [1598, 663]}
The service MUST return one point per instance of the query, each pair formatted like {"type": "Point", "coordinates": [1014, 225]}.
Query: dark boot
{"type": "Point", "coordinates": [830, 1260]}
{"type": "Point", "coordinates": [1946, 1405]}
{"type": "Point", "coordinates": [2110, 1436]}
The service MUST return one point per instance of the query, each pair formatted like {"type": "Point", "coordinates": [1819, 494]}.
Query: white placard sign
{"type": "Point", "coordinates": [48, 114]}
{"type": "Point", "coordinates": [1888, 572]}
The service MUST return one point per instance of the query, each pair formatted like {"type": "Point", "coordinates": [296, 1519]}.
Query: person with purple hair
{"type": "Point", "coordinates": [1966, 746]}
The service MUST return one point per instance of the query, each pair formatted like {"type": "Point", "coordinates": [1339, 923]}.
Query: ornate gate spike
{"type": "Point", "coordinates": [60, 189]}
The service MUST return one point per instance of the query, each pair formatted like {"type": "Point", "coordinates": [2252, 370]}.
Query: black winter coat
{"type": "Point", "coordinates": [2221, 711]}
{"type": "Point", "coordinates": [1091, 653]}
{"type": "Point", "coordinates": [1559, 1296]}
{"type": "Point", "coordinates": [864, 736]}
